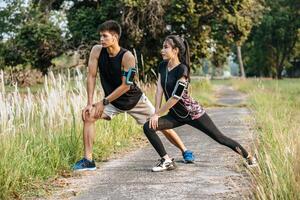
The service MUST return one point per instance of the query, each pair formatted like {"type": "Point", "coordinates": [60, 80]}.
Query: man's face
{"type": "Point", "coordinates": [107, 38]}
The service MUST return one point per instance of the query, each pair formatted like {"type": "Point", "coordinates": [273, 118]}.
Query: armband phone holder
{"type": "Point", "coordinates": [130, 75]}
{"type": "Point", "coordinates": [179, 89]}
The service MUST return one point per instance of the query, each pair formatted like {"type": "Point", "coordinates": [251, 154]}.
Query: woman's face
{"type": "Point", "coordinates": [168, 52]}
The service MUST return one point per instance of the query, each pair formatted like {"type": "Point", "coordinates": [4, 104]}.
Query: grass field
{"type": "Point", "coordinates": [276, 108]}
{"type": "Point", "coordinates": [40, 132]}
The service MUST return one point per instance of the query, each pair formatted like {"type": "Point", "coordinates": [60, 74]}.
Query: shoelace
{"type": "Point", "coordinates": [160, 162]}
{"type": "Point", "coordinates": [188, 154]}
{"type": "Point", "coordinates": [82, 161]}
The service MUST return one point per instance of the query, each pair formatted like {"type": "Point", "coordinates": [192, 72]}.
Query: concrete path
{"type": "Point", "coordinates": [218, 172]}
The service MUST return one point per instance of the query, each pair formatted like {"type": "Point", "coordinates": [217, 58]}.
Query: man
{"type": "Point", "coordinates": [116, 68]}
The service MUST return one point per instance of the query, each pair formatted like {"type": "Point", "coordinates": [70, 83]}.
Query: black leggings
{"type": "Point", "coordinates": [203, 123]}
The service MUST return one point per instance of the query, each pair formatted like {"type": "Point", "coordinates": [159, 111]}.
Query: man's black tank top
{"type": "Point", "coordinates": [111, 77]}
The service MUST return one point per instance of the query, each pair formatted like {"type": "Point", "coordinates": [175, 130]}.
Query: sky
{"type": "Point", "coordinates": [57, 17]}
{"type": "Point", "coordinates": [2, 3]}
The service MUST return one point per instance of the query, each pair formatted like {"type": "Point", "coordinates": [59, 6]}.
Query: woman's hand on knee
{"type": "Point", "coordinates": [153, 122]}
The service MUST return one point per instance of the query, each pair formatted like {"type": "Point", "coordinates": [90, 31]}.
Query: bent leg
{"type": "Point", "coordinates": [165, 122]}
{"type": "Point", "coordinates": [143, 111]}
{"type": "Point", "coordinates": [173, 137]}
{"type": "Point", "coordinates": [89, 133]}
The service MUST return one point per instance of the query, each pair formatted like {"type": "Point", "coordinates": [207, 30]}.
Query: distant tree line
{"type": "Point", "coordinates": [263, 34]}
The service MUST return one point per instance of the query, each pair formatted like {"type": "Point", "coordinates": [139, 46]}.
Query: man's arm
{"type": "Point", "coordinates": [128, 62]}
{"type": "Point", "coordinates": [92, 72]}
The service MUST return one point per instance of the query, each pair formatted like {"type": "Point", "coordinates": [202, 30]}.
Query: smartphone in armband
{"type": "Point", "coordinates": [179, 89]}
{"type": "Point", "coordinates": [130, 76]}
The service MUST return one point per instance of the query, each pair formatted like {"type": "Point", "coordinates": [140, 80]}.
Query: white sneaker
{"type": "Point", "coordinates": [163, 165]}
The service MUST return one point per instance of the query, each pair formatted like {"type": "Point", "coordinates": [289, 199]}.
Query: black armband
{"type": "Point", "coordinates": [179, 89]}
{"type": "Point", "coordinates": [129, 76]}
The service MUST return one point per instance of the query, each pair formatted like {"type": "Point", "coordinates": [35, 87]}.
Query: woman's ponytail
{"type": "Point", "coordinates": [186, 57]}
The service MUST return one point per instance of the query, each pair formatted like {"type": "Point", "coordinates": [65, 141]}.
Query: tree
{"type": "Point", "coordinates": [145, 23]}
{"type": "Point", "coordinates": [218, 59]}
{"type": "Point", "coordinates": [192, 19]}
{"type": "Point", "coordinates": [35, 40]}
{"type": "Point", "coordinates": [85, 16]}
{"type": "Point", "coordinates": [35, 43]}
{"type": "Point", "coordinates": [11, 18]}
{"type": "Point", "coordinates": [272, 43]}
{"type": "Point", "coordinates": [237, 21]}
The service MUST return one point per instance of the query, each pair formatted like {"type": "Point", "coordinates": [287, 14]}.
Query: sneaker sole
{"type": "Point", "coordinates": [85, 169]}
{"type": "Point", "coordinates": [247, 165]}
{"type": "Point", "coordinates": [168, 169]}
{"type": "Point", "coordinates": [171, 168]}
{"type": "Point", "coordinates": [189, 161]}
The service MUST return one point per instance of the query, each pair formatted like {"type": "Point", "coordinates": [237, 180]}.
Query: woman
{"type": "Point", "coordinates": [173, 80]}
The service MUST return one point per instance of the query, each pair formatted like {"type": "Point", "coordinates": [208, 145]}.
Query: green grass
{"type": "Point", "coordinates": [221, 82]}
{"type": "Point", "coordinates": [41, 133]}
{"type": "Point", "coordinates": [40, 136]}
{"type": "Point", "coordinates": [65, 61]}
{"type": "Point", "coordinates": [202, 91]}
{"type": "Point", "coordinates": [276, 106]}
{"type": "Point", "coordinates": [34, 89]}
{"type": "Point", "coordinates": [29, 158]}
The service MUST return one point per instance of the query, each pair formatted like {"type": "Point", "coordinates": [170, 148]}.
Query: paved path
{"type": "Point", "coordinates": [218, 172]}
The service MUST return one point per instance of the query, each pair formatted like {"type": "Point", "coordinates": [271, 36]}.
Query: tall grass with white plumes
{"type": "Point", "coordinates": [51, 107]}
{"type": "Point", "coordinates": [40, 134]}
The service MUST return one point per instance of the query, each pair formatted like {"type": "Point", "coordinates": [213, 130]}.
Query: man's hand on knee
{"type": "Point", "coordinates": [86, 111]}
{"type": "Point", "coordinates": [99, 107]}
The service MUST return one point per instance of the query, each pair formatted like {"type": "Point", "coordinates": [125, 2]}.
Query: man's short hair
{"type": "Point", "coordinates": [111, 26]}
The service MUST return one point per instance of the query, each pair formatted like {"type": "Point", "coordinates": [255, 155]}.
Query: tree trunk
{"type": "Point", "coordinates": [279, 65]}
{"type": "Point", "coordinates": [279, 71]}
{"type": "Point", "coordinates": [240, 60]}
{"type": "Point", "coordinates": [45, 5]}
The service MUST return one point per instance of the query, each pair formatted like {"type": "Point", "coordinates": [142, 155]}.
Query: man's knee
{"type": "Point", "coordinates": [89, 117]}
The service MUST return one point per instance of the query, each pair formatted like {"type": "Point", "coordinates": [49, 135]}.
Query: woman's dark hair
{"type": "Point", "coordinates": [111, 26]}
{"type": "Point", "coordinates": [184, 51]}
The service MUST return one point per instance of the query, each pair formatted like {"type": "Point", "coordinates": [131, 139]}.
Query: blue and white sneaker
{"type": "Point", "coordinates": [84, 165]}
{"type": "Point", "coordinates": [188, 156]}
